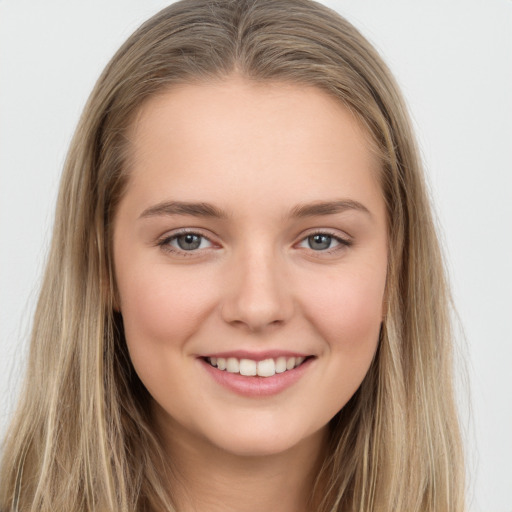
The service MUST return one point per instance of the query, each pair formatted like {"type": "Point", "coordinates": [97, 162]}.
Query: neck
{"type": "Point", "coordinates": [209, 479]}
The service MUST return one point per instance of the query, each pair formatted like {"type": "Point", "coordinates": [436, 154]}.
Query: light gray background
{"type": "Point", "coordinates": [453, 59]}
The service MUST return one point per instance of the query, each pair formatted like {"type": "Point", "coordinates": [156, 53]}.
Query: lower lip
{"type": "Point", "coordinates": [257, 386]}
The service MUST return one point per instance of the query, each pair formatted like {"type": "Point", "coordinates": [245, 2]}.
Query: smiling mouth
{"type": "Point", "coordinates": [250, 368]}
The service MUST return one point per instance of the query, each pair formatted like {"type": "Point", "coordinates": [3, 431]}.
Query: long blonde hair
{"type": "Point", "coordinates": [81, 439]}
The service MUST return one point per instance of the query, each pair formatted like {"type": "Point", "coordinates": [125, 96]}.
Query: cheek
{"type": "Point", "coordinates": [161, 311]}
{"type": "Point", "coordinates": [160, 306]}
{"type": "Point", "coordinates": [348, 314]}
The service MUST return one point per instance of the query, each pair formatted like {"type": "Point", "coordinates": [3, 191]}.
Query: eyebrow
{"type": "Point", "coordinates": [201, 209]}
{"type": "Point", "coordinates": [328, 208]}
{"type": "Point", "coordinates": [184, 208]}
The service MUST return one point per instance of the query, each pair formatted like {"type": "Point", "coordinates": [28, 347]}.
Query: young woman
{"type": "Point", "coordinates": [244, 306]}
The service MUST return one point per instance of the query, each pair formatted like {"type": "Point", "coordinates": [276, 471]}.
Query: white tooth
{"type": "Point", "coordinates": [290, 363]}
{"type": "Point", "coordinates": [221, 363]}
{"type": "Point", "coordinates": [280, 364]}
{"type": "Point", "coordinates": [247, 367]}
{"type": "Point", "coordinates": [213, 361]}
{"type": "Point", "coordinates": [266, 368]}
{"type": "Point", "coordinates": [299, 361]}
{"type": "Point", "coordinates": [232, 365]}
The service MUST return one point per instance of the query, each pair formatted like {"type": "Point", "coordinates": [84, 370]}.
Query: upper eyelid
{"type": "Point", "coordinates": [341, 242]}
{"type": "Point", "coordinates": [335, 233]}
{"type": "Point", "coordinates": [184, 231]}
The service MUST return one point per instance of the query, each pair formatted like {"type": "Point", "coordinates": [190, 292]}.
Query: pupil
{"type": "Point", "coordinates": [189, 242]}
{"type": "Point", "coordinates": [319, 242]}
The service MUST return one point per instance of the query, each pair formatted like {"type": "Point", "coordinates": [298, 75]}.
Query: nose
{"type": "Point", "coordinates": [257, 294]}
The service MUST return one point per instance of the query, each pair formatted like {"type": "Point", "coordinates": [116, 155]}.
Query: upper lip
{"type": "Point", "coordinates": [255, 356]}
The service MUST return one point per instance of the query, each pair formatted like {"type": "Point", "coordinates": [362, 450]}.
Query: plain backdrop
{"type": "Point", "coordinates": [453, 60]}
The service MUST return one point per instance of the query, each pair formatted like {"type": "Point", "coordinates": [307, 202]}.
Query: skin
{"type": "Point", "coordinates": [256, 152]}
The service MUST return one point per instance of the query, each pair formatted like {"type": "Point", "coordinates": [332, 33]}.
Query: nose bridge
{"type": "Point", "coordinates": [258, 295]}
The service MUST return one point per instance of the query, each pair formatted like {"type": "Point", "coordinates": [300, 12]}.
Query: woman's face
{"type": "Point", "coordinates": [251, 237]}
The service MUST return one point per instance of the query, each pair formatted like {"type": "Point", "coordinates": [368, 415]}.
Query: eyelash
{"type": "Point", "coordinates": [165, 243]}
{"type": "Point", "coordinates": [343, 242]}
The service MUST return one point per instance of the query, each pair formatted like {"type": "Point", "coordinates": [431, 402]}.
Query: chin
{"type": "Point", "coordinates": [261, 442]}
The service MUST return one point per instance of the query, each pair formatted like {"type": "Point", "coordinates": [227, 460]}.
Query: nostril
{"type": "Point", "coordinates": [256, 302]}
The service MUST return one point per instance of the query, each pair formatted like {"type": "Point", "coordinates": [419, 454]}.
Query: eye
{"type": "Point", "coordinates": [320, 242]}
{"type": "Point", "coordinates": [323, 242]}
{"type": "Point", "coordinates": [185, 242]}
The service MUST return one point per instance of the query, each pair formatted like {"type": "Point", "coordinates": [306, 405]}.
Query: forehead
{"type": "Point", "coordinates": [216, 138]}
